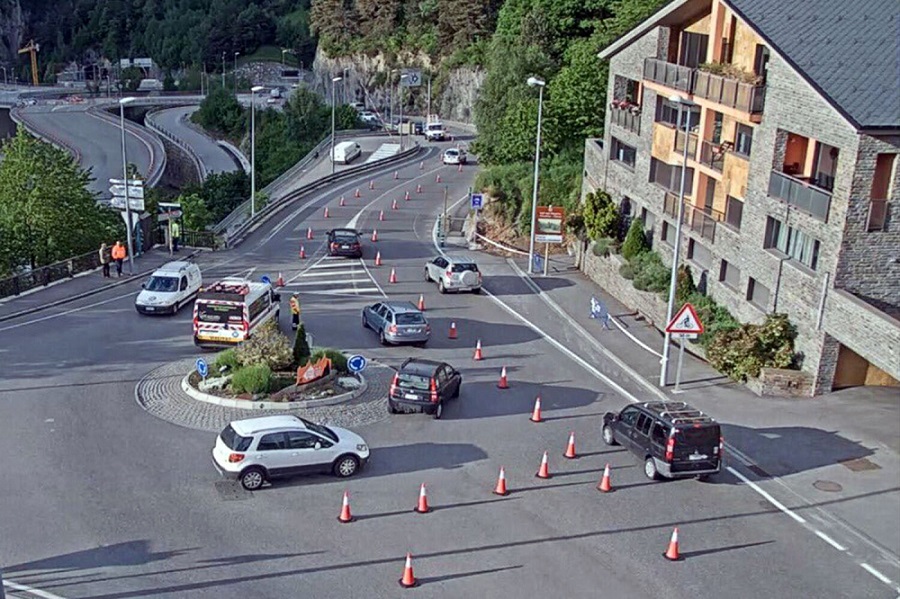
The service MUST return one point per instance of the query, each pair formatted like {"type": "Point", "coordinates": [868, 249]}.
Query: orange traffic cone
{"type": "Point", "coordinates": [381, 215]}
{"type": "Point", "coordinates": [418, 189]}
{"type": "Point", "coordinates": [409, 579]}
{"type": "Point", "coordinates": [536, 413]}
{"type": "Point", "coordinates": [374, 234]}
{"type": "Point", "coordinates": [502, 383]}
{"type": "Point", "coordinates": [396, 175]}
{"type": "Point", "coordinates": [452, 334]}
{"type": "Point", "coordinates": [309, 234]}
{"type": "Point", "coordinates": [372, 184]}
{"type": "Point", "coordinates": [570, 447]}
{"type": "Point", "coordinates": [345, 516]}
{"type": "Point", "coordinates": [421, 305]}
{"type": "Point", "coordinates": [422, 507]}
{"type": "Point", "coordinates": [406, 195]}
{"type": "Point", "coordinates": [342, 202]}
{"type": "Point", "coordinates": [302, 253]}
{"type": "Point", "coordinates": [478, 355]}
{"type": "Point", "coordinates": [280, 281]}
{"type": "Point", "coordinates": [326, 212]}
{"type": "Point", "coordinates": [500, 489]}
{"type": "Point", "coordinates": [544, 470]}
{"type": "Point", "coordinates": [605, 486]}
{"type": "Point", "coordinates": [393, 278]}
{"type": "Point", "coordinates": [378, 259]}
{"type": "Point", "coordinates": [437, 179]}
{"type": "Point", "coordinates": [356, 193]}
{"type": "Point", "coordinates": [422, 166]}
{"type": "Point", "coordinates": [671, 553]}
{"type": "Point", "coordinates": [393, 204]}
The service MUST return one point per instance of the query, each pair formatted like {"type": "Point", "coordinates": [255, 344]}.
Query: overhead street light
{"type": "Point", "coordinates": [539, 83]}
{"type": "Point", "coordinates": [400, 92]}
{"type": "Point", "coordinates": [122, 103]}
{"type": "Point", "coordinates": [334, 80]}
{"type": "Point", "coordinates": [223, 70]}
{"type": "Point", "coordinates": [253, 91]}
{"type": "Point", "coordinates": [236, 54]}
{"type": "Point", "coordinates": [673, 278]}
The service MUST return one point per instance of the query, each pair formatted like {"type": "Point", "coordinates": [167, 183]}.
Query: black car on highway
{"type": "Point", "coordinates": [423, 386]}
{"type": "Point", "coordinates": [344, 242]}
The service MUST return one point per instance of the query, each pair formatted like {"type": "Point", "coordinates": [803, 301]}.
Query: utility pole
{"type": "Point", "coordinates": [223, 70]}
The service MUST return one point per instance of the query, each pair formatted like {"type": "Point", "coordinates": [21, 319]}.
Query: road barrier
{"type": "Point", "coordinates": [187, 149]}
{"type": "Point", "coordinates": [157, 150]}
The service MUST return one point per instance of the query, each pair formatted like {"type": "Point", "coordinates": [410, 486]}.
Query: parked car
{"type": "Point", "coordinates": [397, 322]}
{"type": "Point", "coordinates": [344, 242]}
{"type": "Point", "coordinates": [171, 286]}
{"type": "Point", "coordinates": [256, 450]}
{"type": "Point", "coordinates": [418, 127]}
{"type": "Point", "coordinates": [454, 273]}
{"type": "Point", "coordinates": [673, 439]}
{"type": "Point", "coordinates": [454, 156]}
{"type": "Point", "coordinates": [423, 386]}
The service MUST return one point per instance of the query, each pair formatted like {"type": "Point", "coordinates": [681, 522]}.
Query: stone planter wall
{"type": "Point", "coordinates": [782, 383]}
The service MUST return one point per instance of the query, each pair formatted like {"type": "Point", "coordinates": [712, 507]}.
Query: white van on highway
{"type": "Point", "coordinates": [346, 151]}
{"type": "Point", "coordinates": [169, 288]}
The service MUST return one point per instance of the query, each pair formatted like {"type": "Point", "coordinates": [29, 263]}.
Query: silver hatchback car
{"type": "Point", "coordinates": [396, 322]}
{"type": "Point", "coordinates": [454, 273]}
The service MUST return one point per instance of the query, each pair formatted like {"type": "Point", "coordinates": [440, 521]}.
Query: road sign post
{"type": "Point", "coordinates": [356, 364]}
{"type": "Point", "coordinates": [685, 325]}
{"type": "Point", "coordinates": [202, 368]}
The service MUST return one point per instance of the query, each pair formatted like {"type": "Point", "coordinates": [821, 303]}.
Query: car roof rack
{"type": "Point", "coordinates": [678, 412]}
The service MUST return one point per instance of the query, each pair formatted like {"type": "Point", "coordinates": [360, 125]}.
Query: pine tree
{"type": "Point", "coordinates": [301, 347]}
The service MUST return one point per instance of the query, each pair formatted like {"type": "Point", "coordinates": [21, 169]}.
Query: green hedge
{"type": "Point", "coordinates": [251, 379]}
{"type": "Point", "coordinates": [338, 360]}
{"type": "Point", "coordinates": [227, 358]}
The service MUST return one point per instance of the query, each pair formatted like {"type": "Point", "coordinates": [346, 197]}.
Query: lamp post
{"type": "Point", "coordinates": [5, 76]}
{"type": "Point", "coordinates": [539, 83]}
{"type": "Point", "coordinates": [283, 52]}
{"type": "Point", "coordinates": [333, 104]}
{"type": "Point", "coordinates": [400, 93]}
{"type": "Point", "coordinates": [673, 279]}
{"type": "Point", "coordinates": [391, 98]}
{"type": "Point", "coordinates": [253, 92]}
{"type": "Point", "coordinates": [223, 70]}
{"type": "Point", "coordinates": [128, 224]}
{"type": "Point", "coordinates": [236, 54]}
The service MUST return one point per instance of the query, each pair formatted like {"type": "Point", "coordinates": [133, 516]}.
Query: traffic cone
{"type": "Point", "coordinates": [396, 175]}
{"type": "Point", "coordinates": [356, 194]}
{"type": "Point", "coordinates": [437, 178]}
{"type": "Point", "coordinates": [381, 215]}
{"type": "Point", "coordinates": [280, 281]}
{"type": "Point", "coordinates": [372, 184]}
{"type": "Point", "coordinates": [422, 507]}
{"type": "Point", "coordinates": [544, 470]}
{"type": "Point", "coordinates": [418, 189]}
{"type": "Point", "coordinates": [345, 516]}
{"type": "Point", "coordinates": [326, 212]}
{"type": "Point", "coordinates": [500, 489]}
{"type": "Point", "coordinates": [502, 383]}
{"type": "Point", "coordinates": [452, 334]}
{"type": "Point", "coordinates": [422, 166]}
{"type": "Point", "coordinates": [406, 195]}
{"type": "Point", "coordinates": [671, 553]}
{"type": "Point", "coordinates": [570, 447]}
{"type": "Point", "coordinates": [378, 259]}
{"type": "Point", "coordinates": [393, 278]}
{"type": "Point", "coordinates": [342, 203]}
{"type": "Point", "coordinates": [309, 234]}
{"type": "Point", "coordinates": [478, 355]}
{"type": "Point", "coordinates": [394, 205]}
{"type": "Point", "coordinates": [421, 305]}
{"type": "Point", "coordinates": [374, 234]}
{"type": "Point", "coordinates": [536, 413]}
{"type": "Point", "coordinates": [302, 253]}
{"type": "Point", "coordinates": [409, 579]}
{"type": "Point", "coordinates": [605, 486]}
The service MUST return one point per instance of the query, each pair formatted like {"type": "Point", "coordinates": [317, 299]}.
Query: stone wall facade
{"type": "Point", "coordinates": [782, 383]}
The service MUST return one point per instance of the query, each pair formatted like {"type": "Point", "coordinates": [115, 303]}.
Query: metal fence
{"type": "Point", "coordinates": [44, 275]}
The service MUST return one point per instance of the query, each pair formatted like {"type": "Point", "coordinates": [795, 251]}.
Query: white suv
{"type": "Point", "coordinates": [454, 273]}
{"type": "Point", "coordinates": [259, 449]}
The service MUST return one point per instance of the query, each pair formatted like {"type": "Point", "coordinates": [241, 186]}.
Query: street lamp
{"type": "Point", "coordinates": [253, 91]}
{"type": "Point", "coordinates": [400, 124]}
{"type": "Point", "coordinates": [283, 52]}
{"type": "Point", "coordinates": [128, 224]}
{"type": "Point", "coordinates": [223, 70]}
{"type": "Point", "coordinates": [236, 54]}
{"type": "Point", "coordinates": [539, 83]}
{"type": "Point", "coordinates": [333, 81]}
{"type": "Point", "coordinates": [5, 76]}
{"type": "Point", "coordinates": [673, 280]}
{"type": "Point", "coordinates": [391, 98]}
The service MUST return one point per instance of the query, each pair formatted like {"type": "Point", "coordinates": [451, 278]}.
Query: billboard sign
{"type": "Point", "coordinates": [550, 224]}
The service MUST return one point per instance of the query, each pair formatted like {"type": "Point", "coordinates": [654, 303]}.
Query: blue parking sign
{"type": "Point", "coordinates": [477, 201]}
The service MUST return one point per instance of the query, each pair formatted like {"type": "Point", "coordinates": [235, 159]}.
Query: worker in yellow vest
{"type": "Point", "coordinates": [176, 234]}
{"type": "Point", "coordinates": [295, 311]}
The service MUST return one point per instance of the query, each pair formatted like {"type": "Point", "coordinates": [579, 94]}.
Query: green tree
{"type": "Point", "coordinates": [195, 214]}
{"type": "Point", "coordinates": [223, 192]}
{"type": "Point", "coordinates": [220, 112]}
{"type": "Point", "coordinates": [47, 212]}
{"type": "Point", "coordinates": [601, 215]}
{"type": "Point", "coordinates": [301, 351]}
{"type": "Point", "coordinates": [635, 241]}
{"type": "Point", "coordinates": [577, 96]}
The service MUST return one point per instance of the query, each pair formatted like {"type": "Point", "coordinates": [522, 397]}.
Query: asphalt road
{"type": "Point", "coordinates": [103, 500]}
{"type": "Point", "coordinates": [213, 156]}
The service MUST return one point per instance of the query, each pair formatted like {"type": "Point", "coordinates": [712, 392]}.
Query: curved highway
{"type": "Point", "coordinates": [213, 157]}
{"type": "Point", "coordinates": [101, 499]}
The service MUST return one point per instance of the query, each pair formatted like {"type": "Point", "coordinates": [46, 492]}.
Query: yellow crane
{"type": "Point", "coordinates": [33, 49]}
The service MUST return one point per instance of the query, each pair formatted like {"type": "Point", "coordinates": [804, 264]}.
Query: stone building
{"type": "Point", "coordinates": [792, 185]}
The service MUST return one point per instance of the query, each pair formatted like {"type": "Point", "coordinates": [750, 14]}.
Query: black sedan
{"type": "Point", "coordinates": [344, 242]}
{"type": "Point", "coordinates": [423, 386]}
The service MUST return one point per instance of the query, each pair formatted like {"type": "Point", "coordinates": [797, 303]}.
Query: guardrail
{"type": "Point", "coordinates": [153, 126]}
{"type": "Point", "coordinates": [43, 276]}
{"type": "Point", "coordinates": [157, 158]}
{"type": "Point", "coordinates": [19, 120]}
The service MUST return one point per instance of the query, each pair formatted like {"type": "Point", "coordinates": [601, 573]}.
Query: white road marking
{"type": "Point", "coordinates": [366, 268]}
{"type": "Point", "coordinates": [830, 541]}
{"type": "Point", "coordinates": [67, 312]}
{"type": "Point", "coordinates": [334, 282]}
{"type": "Point", "coordinates": [357, 292]}
{"type": "Point", "coordinates": [876, 573]}
{"type": "Point", "coordinates": [355, 220]}
{"type": "Point", "coordinates": [27, 589]}
{"type": "Point", "coordinates": [328, 273]}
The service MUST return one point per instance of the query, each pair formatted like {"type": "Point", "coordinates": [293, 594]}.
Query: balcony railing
{"type": "Point", "coordinates": [670, 204]}
{"type": "Point", "coordinates": [800, 194]}
{"type": "Point", "coordinates": [692, 143]}
{"type": "Point", "coordinates": [703, 222]}
{"type": "Point", "coordinates": [627, 118]}
{"type": "Point", "coordinates": [746, 97]}
{"type": "Point", "coordinates": [713, 155]}
{"type": "Point", "coordinates": [668, 74]}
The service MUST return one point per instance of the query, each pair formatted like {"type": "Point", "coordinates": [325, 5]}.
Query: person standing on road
{"type": "Point", "coordinates": [176, 235]}
{"type": "Point", "coordinates": [105, 259]}
{"type": "Point", "coordinates": [295, 311]}
{"type": "Point", "coordinates": [118, 254]}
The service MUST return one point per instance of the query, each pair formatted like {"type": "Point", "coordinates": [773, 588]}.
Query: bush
{"type": "Point", "coordinates": [338, 360]}
{"type": "Point", "coordinates": [685, 289]}
{"type": "Point", "coordinates": [227, 358]}
{"type": "Point", "coordinates": [267, 346]}
{"type": "Point", "coordinates": [627, 271]}
{"type": "Point", "coordinates": [301, 347]}
{"type": "Point", "coordinates": [715, 318]}
{"type": "Point", "coordinates": [635, 241]}
{"type": "Point", "coordinates": [251, 379]}
{"type": "Point", "coordinates": [741, 353]}
{"type": "Point", "coordinates": [605, 246]}
{"type": "Point", "coordinates": [601, 215]}
{"type": "Point", "coordinates": [650, 274]}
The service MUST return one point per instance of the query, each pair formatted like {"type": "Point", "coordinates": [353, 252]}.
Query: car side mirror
{"type": "Point", "coordinates": [318, 445]}
{"type": "Point", "coordinates": [143, 285]}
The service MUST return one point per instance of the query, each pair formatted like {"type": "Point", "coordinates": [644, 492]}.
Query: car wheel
{"type": "Point", "coordinates": [346, 466]}
{"type": "Point", "coordinates": [365, 323]}
{"type": "Point", "coordinates": [381, 337]}
{"type": "Point", "coordinates": [456, 391]}
{"type": "Point", "coordinates": [650, 470]}
{"type": "Point", "coordinates": [392, 409]}
{"type": "Point", "coordinates": [252, 478]}
{"type": "Point", "coordinates": [427, 276]}
{"type": "Point", "coordinates": [441, 287]}
{"type": "Point", "coordinates": [608, 436]}
{"type": "Point", "coordinates": [439, 411]}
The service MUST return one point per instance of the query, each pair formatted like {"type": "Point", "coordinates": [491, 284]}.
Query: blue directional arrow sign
{"type": "Point", "coordinates": [265, 279]}
{"type": "Point", "coordinates": [202, 367]}
{"type": "Point", "coordinates": [356, 363]}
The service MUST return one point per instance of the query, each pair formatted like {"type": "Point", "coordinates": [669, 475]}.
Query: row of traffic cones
{"type": "Point", "coordinates": [422, 507]}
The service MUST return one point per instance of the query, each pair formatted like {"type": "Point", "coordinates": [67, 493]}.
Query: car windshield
{"type": "Point", "coordinates": [435, 127]}
{"type": "Point", "coordinates": [234, 441]}
{"type": "Point", "coordinates": [408, 380]}
{"type": "Point", "coordinates": [409, 318]}
{"type": "Point", "coordinates": [220, 313]}
{"type": "Point", "coordinates": [162, 284]}
{"type": "Point", "coordinates": [699, 435]}
{"type": "Point", "coordinates": [464, 266]}
{"type": "Point", "coordinates": [321, 429]}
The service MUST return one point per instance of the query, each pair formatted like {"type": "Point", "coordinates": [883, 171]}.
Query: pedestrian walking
{"type": "Point", "coordinates": [176, 235]}
{"type": "Point", "coordinates": [105, 259]}
{"type": "Point", "coordinates": [118, 254]}
{"type": "Point", "coordinates": [295, 311]}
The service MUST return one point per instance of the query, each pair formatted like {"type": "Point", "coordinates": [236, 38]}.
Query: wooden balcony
{"type": "Point", "coordinates": [627, 118]}
{"type": "Point", "coordinates": [732, 93]}
{"type": "Point", "coordinates": [668, 74]}
{"type": "Point", "coordinates": [713, 155]}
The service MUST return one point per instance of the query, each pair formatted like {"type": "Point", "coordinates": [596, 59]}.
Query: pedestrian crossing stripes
{"type": "Point", "coordinates": [335, 276]}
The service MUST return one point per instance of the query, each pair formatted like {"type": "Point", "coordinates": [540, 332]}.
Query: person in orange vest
{"type": "Point", "coordinates": [295, 311]}
{"type": "Point", "coordinates": [118, 254]}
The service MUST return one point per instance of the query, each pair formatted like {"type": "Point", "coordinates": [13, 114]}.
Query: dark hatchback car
{"type": "Point", "coordinates": [673, 439]}
{"type": "Point", "coordinates": [344, 242]}
{"type": "Point", "coordinates": [423, 386]}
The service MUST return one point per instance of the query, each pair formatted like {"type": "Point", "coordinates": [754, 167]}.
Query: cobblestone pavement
{"type": "Point", "coordinates": [160, 394]}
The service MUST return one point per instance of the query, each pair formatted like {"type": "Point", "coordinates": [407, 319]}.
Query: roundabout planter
{"type": "Point", "coordinates": [246, 404]}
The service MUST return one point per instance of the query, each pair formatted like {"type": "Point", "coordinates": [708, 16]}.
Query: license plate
{"type": "Point", "coordinates": [149, 308]}
{"type": "Point", "coordinates": [345, 247]}
{"type": "Point", "coordinates": [695, 457]}
{"type": "Point", "coordinates": [410, 396]}
{"type": "Point", "coordinates": [413, 330]}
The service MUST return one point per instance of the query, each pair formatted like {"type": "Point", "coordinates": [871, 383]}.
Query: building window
{"type": "Point", "coordinates": [669, 175]}
{"type": "Point", "coordinates": [667, 112]}
{"type": "Point", "coordinates": [793, 242]}
{"type": "Point", "coordinates": [627, 90]}
{"type": "Point", "coordinates": [881, 191]}
{"type": "Point", "coordinates": [623, 153]}
{"type": "Point", "coordinates": [648, 218]}
{"type": "Point", "coordinates": [693, 49]}
{"type": "Point", "coordinates": [743, 140]}
{"type": "Point", "coordinates": [699, 254]}
{"type": "Point", "coordinates": [668, 233]}
{"type": "Point", "coordinates": [734, 211]}
{"type": "Point", "coordinates": [730, 275]}
{"type": "Point", "coordinates": [758, 294]}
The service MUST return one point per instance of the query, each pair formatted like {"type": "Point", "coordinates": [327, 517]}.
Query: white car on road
{"type": "Point", "coordinates": [454, 156]}
{"type": "Point", "coordinates": [454, 273]}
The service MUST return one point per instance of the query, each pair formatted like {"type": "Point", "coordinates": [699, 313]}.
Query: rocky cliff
{"type": "Point", "coordinates": [12, 28]}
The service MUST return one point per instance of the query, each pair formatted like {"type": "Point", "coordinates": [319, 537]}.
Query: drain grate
{"type": "Point", "coordinates": [232, 491]}
{"type": "Point", "coordinates": [828, 486]}
{"type": "Point", "coordinates": [859, 464]}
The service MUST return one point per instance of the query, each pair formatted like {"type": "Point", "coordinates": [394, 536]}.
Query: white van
{"type": "Point", "coordinates": [170, 287]}
{"type": "Point", "coordinates": [229, 311]}
{"type": "Point", "coordinates": [346, 151]}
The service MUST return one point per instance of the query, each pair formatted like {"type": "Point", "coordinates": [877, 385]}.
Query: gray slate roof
{"type": "Point", "coordinates": [848, 49]}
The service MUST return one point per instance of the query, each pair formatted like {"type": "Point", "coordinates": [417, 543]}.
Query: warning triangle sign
{"type": "Point", "coordinates": [686, 321]}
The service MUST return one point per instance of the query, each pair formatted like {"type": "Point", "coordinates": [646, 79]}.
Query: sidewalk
{"type": "Point", "coordinates": [85, 284]}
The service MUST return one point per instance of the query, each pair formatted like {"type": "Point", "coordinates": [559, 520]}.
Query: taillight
{"type": "Point", "coordinates": [334, 246]}
{"type": "Point", "coordinates": [394, 383]}
{"type": "Point", "coordinates": [234, 458]}
{"type": "Point", "coordinates": [246, 326]}
{"type": "Point", "coordinates": [721, 447]}
{"type": "Point", "coordinates": [434, 395]}
{"type": "Point", "coordinates": [670, 449]}
{"type": "Point", "coordinates": [196, 322]}
{"type": "Point", "coordinates": [449, 274]}
{"type": "Point", "coordinates": [427, 328]}
{"type": "Point", "coordinates": [392, 328]}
